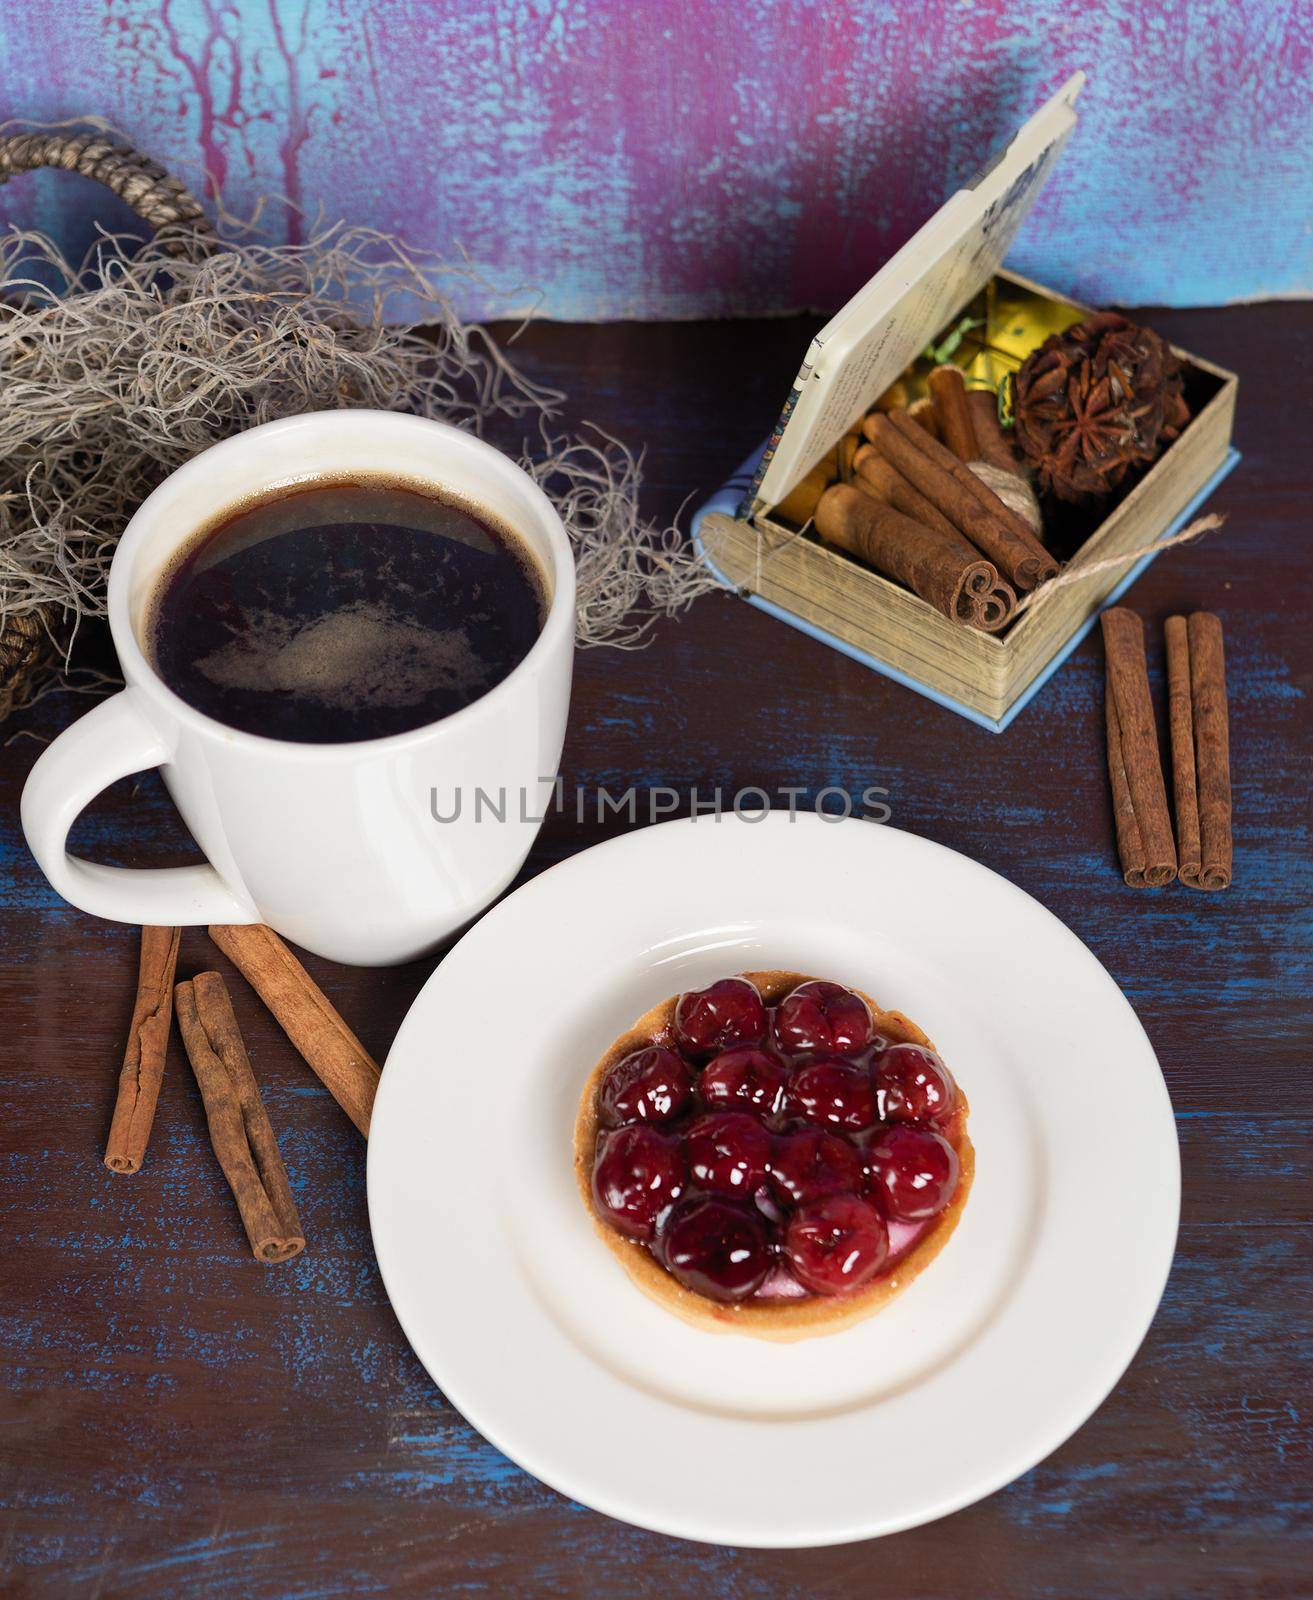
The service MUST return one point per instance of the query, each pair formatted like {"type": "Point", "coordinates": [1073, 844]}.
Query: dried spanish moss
{"type": "Point", "coordinates": [136, 359]}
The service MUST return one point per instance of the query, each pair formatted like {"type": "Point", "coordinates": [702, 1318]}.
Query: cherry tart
{"type": "Point", "coordinates": [773, 1155]}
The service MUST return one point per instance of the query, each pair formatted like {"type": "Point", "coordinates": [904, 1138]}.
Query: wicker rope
{"type": "Point", "coordinates": [164, 204]}
{"type": "Point", "coordinates": [158, 199]}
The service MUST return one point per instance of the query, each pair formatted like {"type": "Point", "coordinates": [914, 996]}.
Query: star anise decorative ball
{"type": "Point", "coordinates": [1095, 402]}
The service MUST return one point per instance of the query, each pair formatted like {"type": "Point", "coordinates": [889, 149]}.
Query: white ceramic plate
{"type": "Point", "coordinates": [988, 1361]}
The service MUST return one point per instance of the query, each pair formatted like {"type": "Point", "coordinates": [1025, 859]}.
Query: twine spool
{"type": "Point", "coordinates": [1015, 492]}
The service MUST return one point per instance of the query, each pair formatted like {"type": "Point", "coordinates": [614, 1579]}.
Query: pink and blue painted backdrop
{"type": "Point", "coordinates": [661, 158]}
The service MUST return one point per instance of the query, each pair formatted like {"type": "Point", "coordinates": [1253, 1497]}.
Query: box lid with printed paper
{"type": "Point", "coordinates": [864, 347]}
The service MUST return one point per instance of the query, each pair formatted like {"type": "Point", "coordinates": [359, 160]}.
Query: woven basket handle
{"type": "Point", "coordinates": [157, 198]}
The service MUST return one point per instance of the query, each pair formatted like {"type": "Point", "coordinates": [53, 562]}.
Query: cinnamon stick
{"type": "Point", "coordinates": [1018, 529]}
{"type": "Point", "coordinates": [305, 1015]}
{"type": "Point", "coordinates": [993, 444]}
{"type": "Point", "coordinates": [944, 570]}
{"type": "Point", "coordinates": [922, 412]}
{"type": "Point", "coordinates": [955, 490]}
{"type": "Point", "coordinates": [1180, 722]}
{"type": "Point", "coordinates": [240, 1130]}
{"type": "Point", "coordinates": [998, 606]}
{"type": "Point", "coordinates": [143, 1058]}
{"type": "Point", "coordinates": [883, 481]}
{"type": "Point", "coordinates": [1148, 852]}
{"type": "Point", "coordinates": [1212, 748]}
{"type": "Point", "coordinates": [948, 390]}
{"type": "Point", "coordinates": [1130, 843]}
{"type": "Point", "coordinates": [876, 477]}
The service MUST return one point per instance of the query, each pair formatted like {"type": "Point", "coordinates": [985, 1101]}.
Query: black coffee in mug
{"type": "Point", "coordinates": [342, 611]}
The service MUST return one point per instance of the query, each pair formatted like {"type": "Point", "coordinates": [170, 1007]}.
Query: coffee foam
{"type": "Point", "coordinates": [362, 655]}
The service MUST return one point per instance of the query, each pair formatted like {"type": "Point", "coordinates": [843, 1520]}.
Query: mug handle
{"type": "Point", "coordinates": [112, 741]}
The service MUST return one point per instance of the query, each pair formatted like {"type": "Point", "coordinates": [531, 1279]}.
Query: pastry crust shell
{"type": "Point", "coordinates": [781, 1320]}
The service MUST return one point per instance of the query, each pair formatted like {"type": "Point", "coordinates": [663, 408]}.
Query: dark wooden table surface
{"type": "Point", "coordinates": [178, 1420]}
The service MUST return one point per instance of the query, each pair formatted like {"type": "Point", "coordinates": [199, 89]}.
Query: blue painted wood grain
{"type": "Point", "coordinates": [692, 158]}
{"type": "Point", "coordinates": [178, 1420]}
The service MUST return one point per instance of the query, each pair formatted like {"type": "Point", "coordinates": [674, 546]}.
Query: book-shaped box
{"type": "Point", "coordinates": [946, 292]}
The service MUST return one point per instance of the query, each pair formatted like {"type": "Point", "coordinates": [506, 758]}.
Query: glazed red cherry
{"type": "Point", "coordinates": [837, 1244]}
{"type": "Point", "coordinates": [728, 1152]}
{"type": "Point", "coordinates": [833, 1094]}
{"type": "Point", "coordinates": [651, 1085]}
{"type": "Point", "coordinates": [913, 1172]}
{"type": "Point", "coordinates": [726, 1013]}
{"type": "Point", "coordinates": [812, 1164]}
{"type": "Point", "coordinates": [716, 1248]}
{"type": "Point", "coordinates": [744, 1079]}
{"type": "Point", "coordinates": [823, 1016]}
{"type": "Point", "coordinates": [637, 1174]}
{"type": "Point", "coordinates": [916, 1085]}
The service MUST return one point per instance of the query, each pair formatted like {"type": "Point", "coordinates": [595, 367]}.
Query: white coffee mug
{"type": "Point", "coordinates": [369, 852]}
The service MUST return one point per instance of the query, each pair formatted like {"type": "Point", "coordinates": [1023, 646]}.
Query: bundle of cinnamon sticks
{"type": "Point", "coordinates": [240, 1130]}
{"type": "Point", "coordinates": [1199, 852]}
{"type": "Point", "coordinates": [912, 505]}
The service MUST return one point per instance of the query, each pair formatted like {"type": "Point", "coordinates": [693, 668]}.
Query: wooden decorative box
{"type": "Point", "coordinates": [946, 286]}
